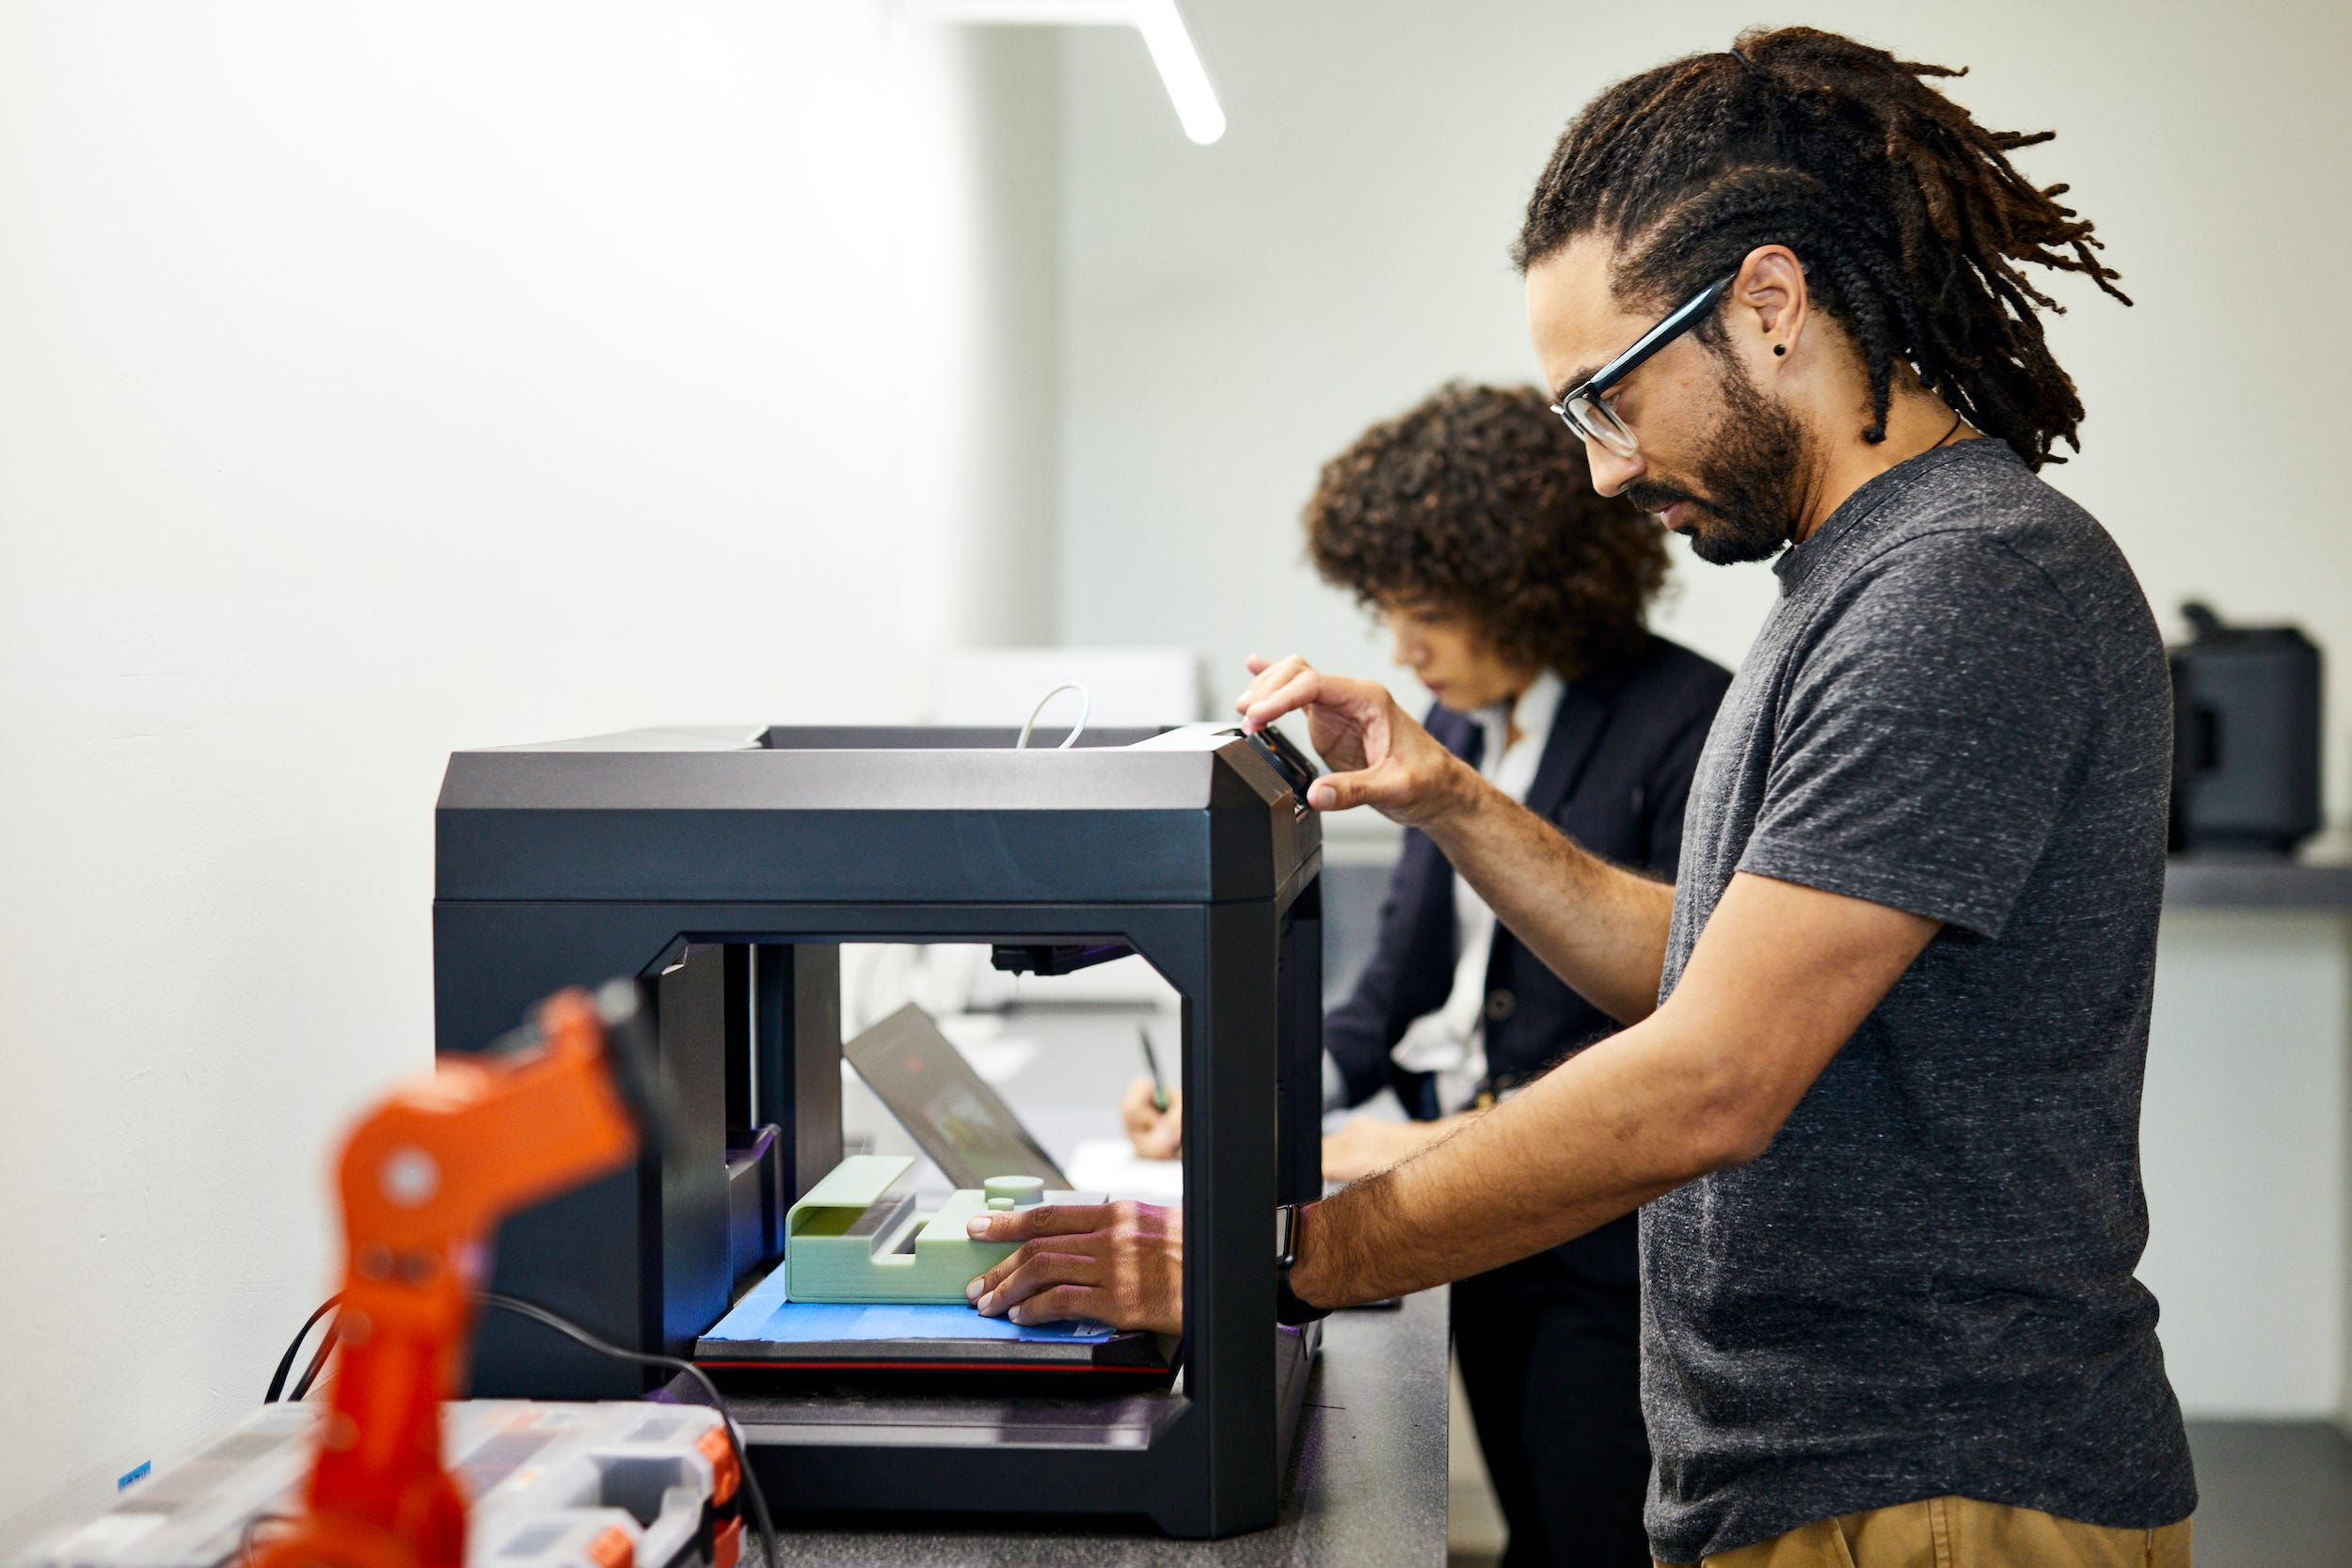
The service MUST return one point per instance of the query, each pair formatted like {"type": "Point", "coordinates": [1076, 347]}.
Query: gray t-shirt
{"type": "Point", "coordinates": [1959, 707]}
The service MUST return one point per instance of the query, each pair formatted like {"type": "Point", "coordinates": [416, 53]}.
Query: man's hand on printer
{"type": "Point", "coordinates": [1119, 1263]}
{"type": "Point", "coordinates": [1379, 756]}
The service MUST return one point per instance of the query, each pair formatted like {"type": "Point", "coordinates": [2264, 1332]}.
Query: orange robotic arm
{"type": "Point", "coordinates": [425, 1181]}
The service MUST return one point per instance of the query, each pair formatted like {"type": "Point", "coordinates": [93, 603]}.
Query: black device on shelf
{"type": "Point", "coordinates": [2245, 737]}
{"type": "Point", "coordinates": [725, 868]}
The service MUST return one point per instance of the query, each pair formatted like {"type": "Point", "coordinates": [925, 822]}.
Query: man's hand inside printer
{"type": "Point", "coordinates": [1363, 1146]}
{"type": "Point", "coordinates": [1119, 1263]}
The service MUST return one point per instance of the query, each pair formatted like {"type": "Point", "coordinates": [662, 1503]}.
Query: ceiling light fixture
{"type": "Point", "coordinates": [1160, 22]}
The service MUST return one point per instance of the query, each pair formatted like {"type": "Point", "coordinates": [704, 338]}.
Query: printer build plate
{"type": "Point", "coordinates": [767, 1331]}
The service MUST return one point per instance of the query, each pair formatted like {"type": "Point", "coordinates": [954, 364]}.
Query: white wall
{"type": "Point", "coordinates": [386, 379]}
{"type": "Point", "coordinates": [1237, 313]}
{"type": "Point", "coordinates": [980, 324]}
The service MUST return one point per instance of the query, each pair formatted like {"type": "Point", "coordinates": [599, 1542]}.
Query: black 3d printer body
{"type": "Point", "coordinates": [725, 870]}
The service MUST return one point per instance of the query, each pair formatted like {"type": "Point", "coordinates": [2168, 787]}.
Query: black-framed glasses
{"type": "Point", "coordinates": [1586, 405]}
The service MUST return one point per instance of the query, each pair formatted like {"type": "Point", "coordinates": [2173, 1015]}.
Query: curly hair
{"type": "Point", "coordinates": [1911, 222]}
{"type": "Point", "coordinates": [1478, 503]}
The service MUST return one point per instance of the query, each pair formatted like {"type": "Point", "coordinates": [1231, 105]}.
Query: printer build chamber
{"type": "Point", "coordinates": [724, 870]}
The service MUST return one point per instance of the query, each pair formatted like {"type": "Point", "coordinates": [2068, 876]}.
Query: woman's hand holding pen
{"type": "Point", "coordinates": [1157, 1134]}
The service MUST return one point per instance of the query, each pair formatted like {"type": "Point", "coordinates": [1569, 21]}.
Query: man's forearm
{"type": "Point", "coordinates": [1599, 926]}
{"type": "Point", "coordinates": [1778, 980]}
{"type": "Point", "coordinates": [1596, 1137]}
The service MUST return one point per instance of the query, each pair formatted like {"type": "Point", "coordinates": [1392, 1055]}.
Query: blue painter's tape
{"type": "Point", "coordinates": [139, 1474]}
{"type": "Point", "coordinates": [765, 1317]}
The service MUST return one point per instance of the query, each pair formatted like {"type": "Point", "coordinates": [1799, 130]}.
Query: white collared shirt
{"type": "Point", "coordinates": [1450, 1041]}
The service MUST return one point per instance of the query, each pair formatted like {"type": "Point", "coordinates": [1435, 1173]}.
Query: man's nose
{"type": "Point", "coordinates": [1612, 471]}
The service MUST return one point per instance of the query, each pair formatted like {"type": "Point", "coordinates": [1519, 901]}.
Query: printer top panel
{"type": "Point", "coordinates": [1192, 814]}
{"type": "Point", "coordinates": [780, 769]}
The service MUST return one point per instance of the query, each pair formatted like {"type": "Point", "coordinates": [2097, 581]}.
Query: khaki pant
{"type": "Point", "coordinates": [1960, 1532]}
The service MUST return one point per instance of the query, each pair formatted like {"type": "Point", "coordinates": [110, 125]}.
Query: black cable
{"type": "Point", "coordinates": [285, 1362]}
{"type": "Point", "coordinates": [326, 1345]}
{"type": "Point", "coordinates": [563, 1325]}
{"type": "Point", "coordinates": [727, 1417]}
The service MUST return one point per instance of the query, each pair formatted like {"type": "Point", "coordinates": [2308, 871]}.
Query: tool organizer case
{"type": "Point", "coordinates": [551, 1486]}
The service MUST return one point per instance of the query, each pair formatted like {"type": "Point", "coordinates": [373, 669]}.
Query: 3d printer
{"type": "Point", "coordinates": [725, 870]}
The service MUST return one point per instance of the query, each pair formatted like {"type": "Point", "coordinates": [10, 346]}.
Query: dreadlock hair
{"type": "Point", "coordinates": [1910, 221]}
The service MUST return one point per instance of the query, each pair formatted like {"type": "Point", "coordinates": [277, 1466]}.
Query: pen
{"type": "Point", "coordinates": [1152, 1065]}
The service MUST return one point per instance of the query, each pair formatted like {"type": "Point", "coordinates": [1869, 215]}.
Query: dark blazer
{"type": "Point", "coordinates": [1614, 776]}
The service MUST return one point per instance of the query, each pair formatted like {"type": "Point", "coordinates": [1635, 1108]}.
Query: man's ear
{"type": "Point", "coordinates": [1769, 305]}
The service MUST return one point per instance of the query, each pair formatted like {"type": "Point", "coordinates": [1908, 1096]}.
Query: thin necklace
{"type": "Point", "coordinates": [1948, 435]}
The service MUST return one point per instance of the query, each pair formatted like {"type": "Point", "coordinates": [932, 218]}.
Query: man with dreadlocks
{"type": "Point", "coordinates": [1880, 1085]}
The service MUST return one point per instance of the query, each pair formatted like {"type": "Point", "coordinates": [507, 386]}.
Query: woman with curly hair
{"type": "Point", "coordinates": [1516, 595]}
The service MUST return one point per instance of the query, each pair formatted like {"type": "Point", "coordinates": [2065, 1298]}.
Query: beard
{"type": "Point", "coordinates": [1741, 510]}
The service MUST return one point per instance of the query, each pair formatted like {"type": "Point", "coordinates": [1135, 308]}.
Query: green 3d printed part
{"type": "Point", "coordinates": [856, 1237]}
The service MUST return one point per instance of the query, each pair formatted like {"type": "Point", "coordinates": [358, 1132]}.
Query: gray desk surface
{"type": "Point", "coordinates": [1368, 1476]}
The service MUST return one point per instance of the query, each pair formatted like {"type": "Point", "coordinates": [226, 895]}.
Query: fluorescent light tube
{"type": "Point", "coordinates": [1181, 70]}
{"type": "Point", "coordinates": [1160, 22]}
{"type": "Point", "coordinates": [1039, 13]}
